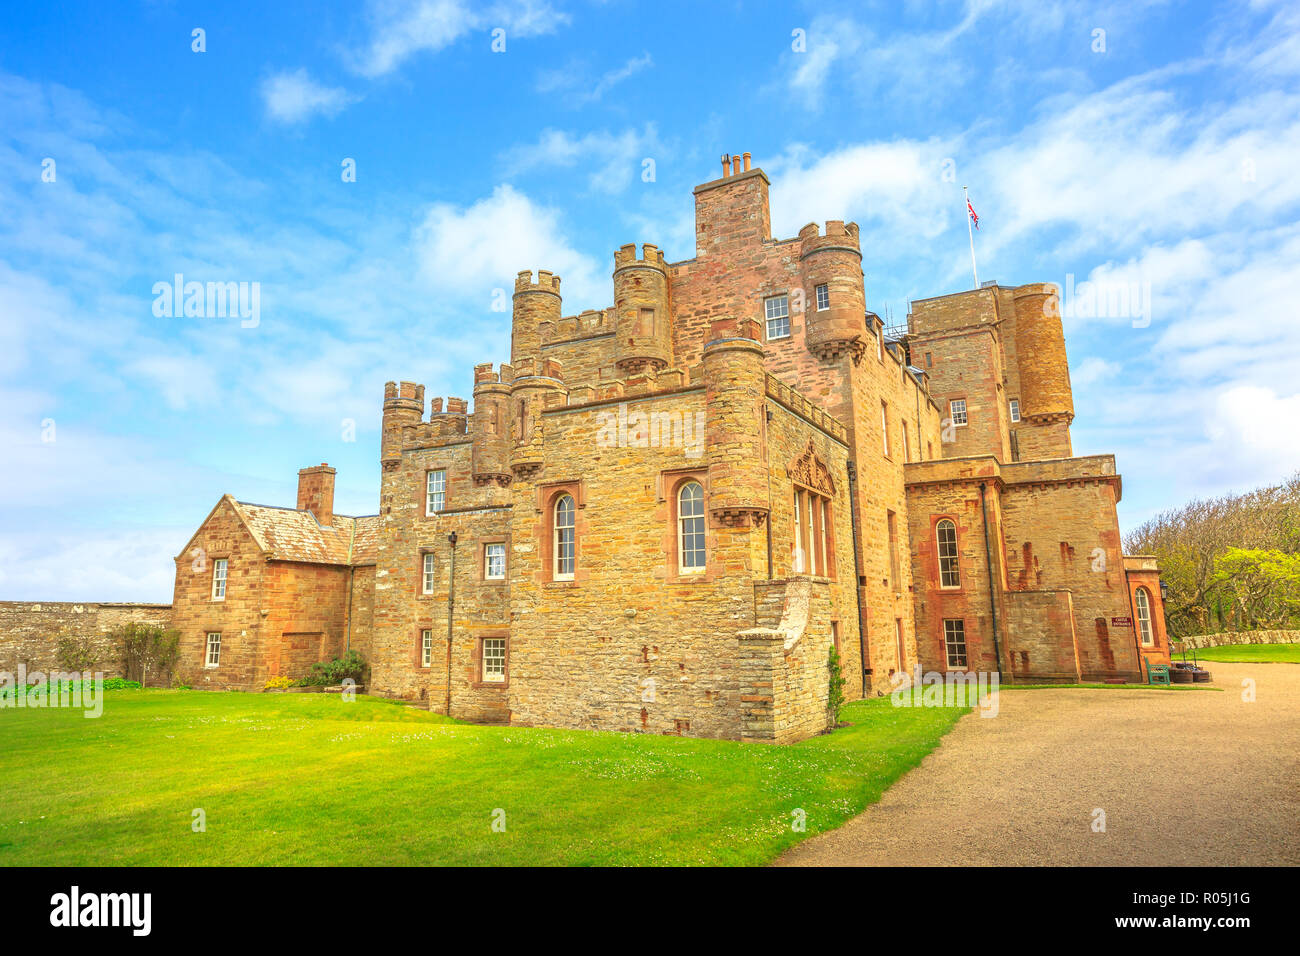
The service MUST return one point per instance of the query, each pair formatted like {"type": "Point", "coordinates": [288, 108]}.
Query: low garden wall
{"type": "Point", "coordinates": [30, 630]}
{"type": "Point", "coordinates": [1239, 637]}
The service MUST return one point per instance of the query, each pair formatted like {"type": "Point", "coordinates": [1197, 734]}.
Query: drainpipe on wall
{"type": "Point", "coordinates": [857, 572]}
{"type": "Point", "coordinates": [988, 560]}
{"type": "Point", "coordinates": [451, 607]}
{"type": "Point", "coordinates": [347, 636]}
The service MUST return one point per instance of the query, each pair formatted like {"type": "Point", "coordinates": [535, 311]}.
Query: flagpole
{"type": "Point", "coordinates": [970, 232]}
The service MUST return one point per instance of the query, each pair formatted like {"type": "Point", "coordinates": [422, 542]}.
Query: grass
{"type": "Point", "coordinates": [312, 779]}
{"type": "Point", "coordinates": [1248, 654]}
{"type": "Point", "coordinates": [1108, 687]}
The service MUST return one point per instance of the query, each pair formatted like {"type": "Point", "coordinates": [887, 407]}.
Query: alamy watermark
{"type": "Point", "coordinates": [209, 300]}
{"type": "Point", "coordinates": [1101, 299]}
{"type": "Point", "coordinates": [946, 689]}
{"type": "Point", "coordinates": [624, 429]}
{"type": "Point", "coordinates": [57, 689]}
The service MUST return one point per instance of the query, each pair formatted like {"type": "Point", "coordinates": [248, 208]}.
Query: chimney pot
{"type": "Point", "coordinates": [746, 155]}
{"type": "Point", "coordinates": [735, 165]}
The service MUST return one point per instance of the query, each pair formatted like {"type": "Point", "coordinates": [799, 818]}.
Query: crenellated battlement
{"type": "Point", "coordinates": [652, 257]}
{"type": "Point", "coordinates": [546, 282]}
{"type": "Point", "coordinates": [838, 234]}
{"type": "Point", "coordinates": [588, 323]}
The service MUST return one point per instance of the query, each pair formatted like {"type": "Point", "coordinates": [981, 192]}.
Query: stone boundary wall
{"type": "Point", "coordinates": [1239, 637]}
{"type": "Point", "coordinates": [29, 630]}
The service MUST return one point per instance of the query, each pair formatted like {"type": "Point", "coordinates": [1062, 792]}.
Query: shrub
{"type": "Point", "coordinates": [76, 653]}
{"type": "Point", "coordinates": [327, 673]}
{"type": "Point", "coordinates": [835, 693]}
{"type": "Point", "coordinates": [146, 648]}
{"type": "Point", "coordinates": [279, 683]}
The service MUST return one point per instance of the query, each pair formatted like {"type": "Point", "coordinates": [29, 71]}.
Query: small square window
{"type": "Point", "coordinates": [213, 658]}
{"type": "Point", "coordinates": [777, 311]}
{"type": "Point", "coordinates": [219, 572]}
{"type": "Point", "coordinates": [823, 298]}
{"type": "Point", "coordinates": [1015, 409]}
{"type": "Point", "coordinates": [435, 492]}
{"type": "Point", "coordinates": [494, 561]}
{"type": "Point", "coordinates": [494, 660]}
{"type": "Point", "coordinates": [957, 411]}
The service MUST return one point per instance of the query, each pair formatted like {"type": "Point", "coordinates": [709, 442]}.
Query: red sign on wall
{"type": "Point", "coordinates": [1121, 622]}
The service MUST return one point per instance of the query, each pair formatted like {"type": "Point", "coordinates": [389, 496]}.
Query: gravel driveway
{"type": "Point", "coordinates": [1184, 777]}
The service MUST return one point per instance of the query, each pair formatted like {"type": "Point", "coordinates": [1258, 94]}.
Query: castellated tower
{"type": "Point", "coordinates": [833, 260]}
{"type": "Point", "coordinates": [535, 303]}
{"type": "Point", "coordinates": [403, 405]}
{"type": "Point", "coordinates": [1047, 402]}
{"type": "Point", "coordinates": [490, 453]}
{"type": "Point", "coordinates": [734, 422]}
{"type": "Point", "coordinates": [642, 310]}
{"type": "Point", "coordinates": [537, 384]}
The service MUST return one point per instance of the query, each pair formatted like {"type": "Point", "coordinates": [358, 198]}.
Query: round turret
{"type": "Point", "coordinates": [535, 303]}
{"type": "Point", "coordinates": [830, 269]}
{"type": "Point", "coordinates": [1045, 394]}
{"type": "Point", "coordinates": [734, 382]}
{"type": "Point", "coordinates": [641, 310]}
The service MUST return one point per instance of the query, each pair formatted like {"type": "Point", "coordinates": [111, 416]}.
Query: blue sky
{"type": "Point", "coordinates": [1157, 155]}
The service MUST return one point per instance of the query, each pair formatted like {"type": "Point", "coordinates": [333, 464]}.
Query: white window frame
{"type": "Point", "coordinates": [953, 570]}
{"type": "Point", "coordinates": [953, 412]}
{"type": "Point", "coordinates": [426, 647]}
{"type": "Point", "coordinates": [494, 550]}
{"type": "Point", "coordinates": [884, 427]}
{"type": "Point", "coordinates": [563, 565]}
{"type": "Point", "coordinates": [690, 522]}
{"type": "Point", "coordinates": [776, 308]}
{"type": "Point", "coordinates": [949, 644]}
{"type": "Point", "coordinates": [822, 294]}
{"type": "Point", "coordinates": [213, 656]}
{"type": "Point", "coordinates": [1143, 602]}
{"type": "Point", "coordinates": [428, 572]}
{"type": "Point", "coordinates": [1014, 407]}
{"type": "Point", "coordinates": [799, 562]}
{"type": "Point", "coordinates": [907, 443]}
{"type": "Point", "coordinates": [880, 343]}
{"type": "Point", "coordinates": [435, 491]}
{"type": "Point", "coordinates": [220, 575]}
{"type": "Point", "coordinates": [493, 674]}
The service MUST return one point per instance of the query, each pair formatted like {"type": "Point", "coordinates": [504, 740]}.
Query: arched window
{"type": "Point", "coordinates": [949, 573]}
{"type": "Point", "coordinates": [690, 528]}
{"type": "Point", "coordinates": [564, 538]}
{"type": "Point", "coordinates": [1143, 601]}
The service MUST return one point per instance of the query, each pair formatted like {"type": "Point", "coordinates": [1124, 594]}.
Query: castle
{"type": "Point", "coordinates": [659, 516]}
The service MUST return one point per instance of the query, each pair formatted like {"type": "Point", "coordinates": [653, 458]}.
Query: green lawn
{"type": "Point", "coordinates": [1247, 653]}
{"type": "Point", "coordinates": [313, 779]}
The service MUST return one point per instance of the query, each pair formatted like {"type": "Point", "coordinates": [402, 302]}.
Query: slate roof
{"type": "Point", "coordinates": [287, 534]}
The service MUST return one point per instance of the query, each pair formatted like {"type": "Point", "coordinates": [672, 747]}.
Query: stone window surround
{"type": "Point", "coordinates": [422, 493]}
{"type": "Point", "coordinates": [212, 557]}
{"type": "Point", "coordinates": [938, 566]}
{"type": "Point", "coordinates": [481, 551]}
{"type": "Point", "coordinates": [419, 573]}
{"type": "Point", "coordinates": [669, 483]}
{"type": "Point", "coordinates": [544, 532]}
{"type": "Point", "coordinates": [826, 528]}
{"type": "Point", "coordinates": [418, 647]}
{"type": "Point", "coordinates": [478, 683]}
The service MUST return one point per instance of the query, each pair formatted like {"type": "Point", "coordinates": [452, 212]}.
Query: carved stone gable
{"type": "Point", "coordinates": [811, 472]}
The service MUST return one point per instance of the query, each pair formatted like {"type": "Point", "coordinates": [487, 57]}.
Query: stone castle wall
{"type": "Point", "coordinates": [29, 631]}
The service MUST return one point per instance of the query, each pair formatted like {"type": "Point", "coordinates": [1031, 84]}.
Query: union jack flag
{"type": "Point", "coordinates": [975, 220]}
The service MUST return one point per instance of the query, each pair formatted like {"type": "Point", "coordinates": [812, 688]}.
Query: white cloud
{"type": "Point", "coordinates": [293, 97]}
{"type": "Point", "coordinates": [402, 28]}
{"type": "Point", "coordinates": [1254, 428]}
{"type": "Point", "coordinates": [574, 82]}
{"type": "Point", "coordinates": [612, 160]}
{"type": "Point", "coordinates": [473, 250]}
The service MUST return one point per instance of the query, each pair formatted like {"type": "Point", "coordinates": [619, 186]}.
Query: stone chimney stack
{"type": "Point", "coordinates": [316, 492]}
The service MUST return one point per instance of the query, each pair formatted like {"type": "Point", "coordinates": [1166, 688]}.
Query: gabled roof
{"type": "Point", "coordinates": [287, 534]}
